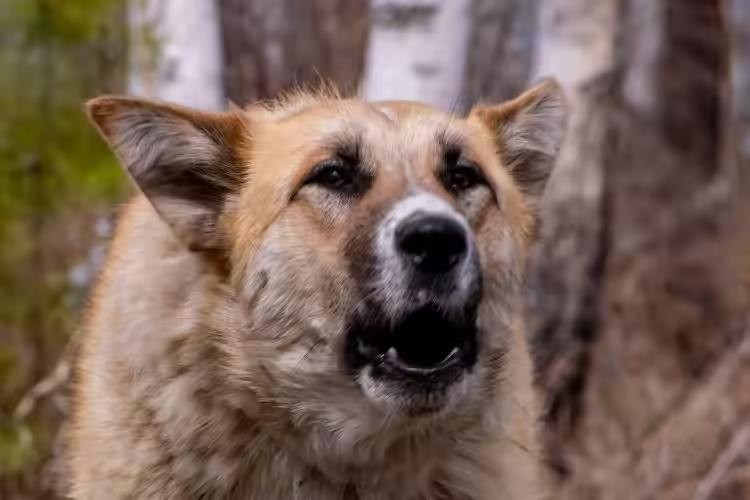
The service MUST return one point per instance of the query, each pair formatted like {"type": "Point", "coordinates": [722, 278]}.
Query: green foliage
{"type": "Point", "coordinates": [55, 176]}
{"type": "Point", "coordinates": [16, 442]}
{"type": "Point", "coordinates": [72, 21]}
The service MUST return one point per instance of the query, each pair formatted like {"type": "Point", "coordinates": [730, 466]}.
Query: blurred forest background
{"type": "Point", "coordinates": [638, 295]}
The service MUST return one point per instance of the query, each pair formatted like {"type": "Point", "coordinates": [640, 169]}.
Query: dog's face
{"type": "Point", "coordinates": [374, 251]}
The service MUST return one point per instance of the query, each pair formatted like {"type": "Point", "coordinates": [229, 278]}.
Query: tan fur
{"type": "Point", "coordinates": [210, 370]}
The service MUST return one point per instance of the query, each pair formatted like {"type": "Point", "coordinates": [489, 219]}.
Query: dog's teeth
{"type": "Point", "coordinates": [392, 354]}
{"type": "Point", "coordinates": [450, 355]}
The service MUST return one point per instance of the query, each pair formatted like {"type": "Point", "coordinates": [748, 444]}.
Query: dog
{"type": "Point", "coordinates": [316, 298]}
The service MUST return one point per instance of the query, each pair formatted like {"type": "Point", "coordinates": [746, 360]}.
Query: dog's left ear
{"type": "Point", "coordinates": [528, 132]}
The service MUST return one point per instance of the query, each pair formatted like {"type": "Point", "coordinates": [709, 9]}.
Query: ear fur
{"type": "Point", "coordinates": [528, 132]}
{"type": "Point", "coordinates": [183, 160]}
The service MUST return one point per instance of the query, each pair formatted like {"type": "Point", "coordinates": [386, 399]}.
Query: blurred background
{"type": "Point", "coordinates": [637, 302]}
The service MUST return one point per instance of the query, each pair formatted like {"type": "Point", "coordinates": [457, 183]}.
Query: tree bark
{"type": "Point", "coordinates": [575, 40]}
{"type": "Point", "coordinates": [176, 52]}
{"type": "Point", "coordinates": [274, 45]}
{"type": "Point", "coordinates": [739, 130]}
{"type": "Point", "coordinates": [651, 409]}
{"type": "Point", "coordinates": [417, 51]}
{"type": "Point", "coordinates": [500, 49]}
{"type": "Point", "coordinates": [739, 18]}
{"type": "Point", "coordinates": [576, 45]}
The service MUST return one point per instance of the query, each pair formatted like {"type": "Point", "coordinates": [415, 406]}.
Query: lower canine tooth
{"type": "Point", "coordinates": [392, 354]}
{"type": "Point", "coordinates": [364, 350]}
{"type": "Point", "coordinates": [450, 355]}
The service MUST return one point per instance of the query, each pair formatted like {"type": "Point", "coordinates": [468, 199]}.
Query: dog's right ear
{"type": "Point", "coordinates": [183, 160]}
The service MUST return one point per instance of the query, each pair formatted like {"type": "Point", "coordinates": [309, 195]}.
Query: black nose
{"type": "Point", "coordinates": [431, 243]}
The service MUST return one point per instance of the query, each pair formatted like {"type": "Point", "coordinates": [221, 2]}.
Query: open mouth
{"type": "Point", "coordinates": [425, 342]}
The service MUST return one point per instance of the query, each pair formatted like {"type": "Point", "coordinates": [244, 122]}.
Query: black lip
{"type": "Point", "coordinates": [426, 344]}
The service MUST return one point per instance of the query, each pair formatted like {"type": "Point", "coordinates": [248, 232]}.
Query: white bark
{"type": "Point", "coordinates": [417, 51]}
{"type": "Point", "coordinates": [176, 52]}
{"type": "Point", "coordinates": [647, 17]}
{"type": "Point", "coordinates": [576, 45]}
{"type": "Point", "coordinates": [501, 48]}
{"type": "Point", "coordinates": [575, 40]}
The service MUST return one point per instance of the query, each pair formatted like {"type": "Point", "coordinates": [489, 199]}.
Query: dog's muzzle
{"type": "Point", "coordinates": [417, 325]}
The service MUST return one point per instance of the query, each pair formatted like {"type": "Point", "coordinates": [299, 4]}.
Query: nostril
{"type": "Point", "coordinates": [432, 244]}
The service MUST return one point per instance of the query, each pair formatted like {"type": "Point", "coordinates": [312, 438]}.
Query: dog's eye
{"type": "Point", "coordinates": [334, 177]}
{"type": "Point", "coordinates": [462, 178]}
{"type": "Point", "coordinates": [459, 174]}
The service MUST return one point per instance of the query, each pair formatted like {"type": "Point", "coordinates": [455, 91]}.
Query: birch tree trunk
{"type": "Point", "coordinates": [501, 49]}
{"type": "Point", "coordinates": [273, 45]}
{"type": "Point", "coordinates": [176, 52]}
{"type": "Point", "coordinates": [417, 51]}
{"type": "Point", "coordinates": [576, 44]}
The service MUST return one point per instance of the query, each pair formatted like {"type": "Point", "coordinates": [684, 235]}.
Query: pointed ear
{"type": "Point", "coordinates": [183, 160]}
{"type": "Point", "coordinates": [528, 133]}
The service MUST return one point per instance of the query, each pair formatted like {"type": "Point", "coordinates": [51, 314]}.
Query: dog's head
{"type": "Point", "coordinates": [373, 251]}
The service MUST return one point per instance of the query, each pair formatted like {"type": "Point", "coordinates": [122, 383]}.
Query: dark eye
{"type": "Point", "coordinates": [459, 174]}
{"type": "Point", "coordinates": [462, 178]}
{"type": "Point", "coordinates": [334, 177]}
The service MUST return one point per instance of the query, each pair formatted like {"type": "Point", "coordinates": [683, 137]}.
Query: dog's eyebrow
{"type": "Point", "coordinates": [451, 141]}
{"type": "Point", "coordinates": [345, 144]}
{"type": "Point", "coordinates": [348, 146]}
{"type": "Point", "coordinates": [454, 144]}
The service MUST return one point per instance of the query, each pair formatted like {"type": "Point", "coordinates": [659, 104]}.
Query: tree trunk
{"type": "Point", "coordinates": [274, 45]}
{"type": "Point", "coordinates": [575, 40]}
{"type": "Point", "coordinates": [500, 49]}
{"type": "Point", "coordinates": [739, 17]}
{"type": "Point", "coordinates": [576, 45]}
{"type": "Point", "coordinates": [176, 52]}
{"type": "Point", "coordinates": [417, 51]}
{"type": "Point", "coordinates": [653, 405]}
